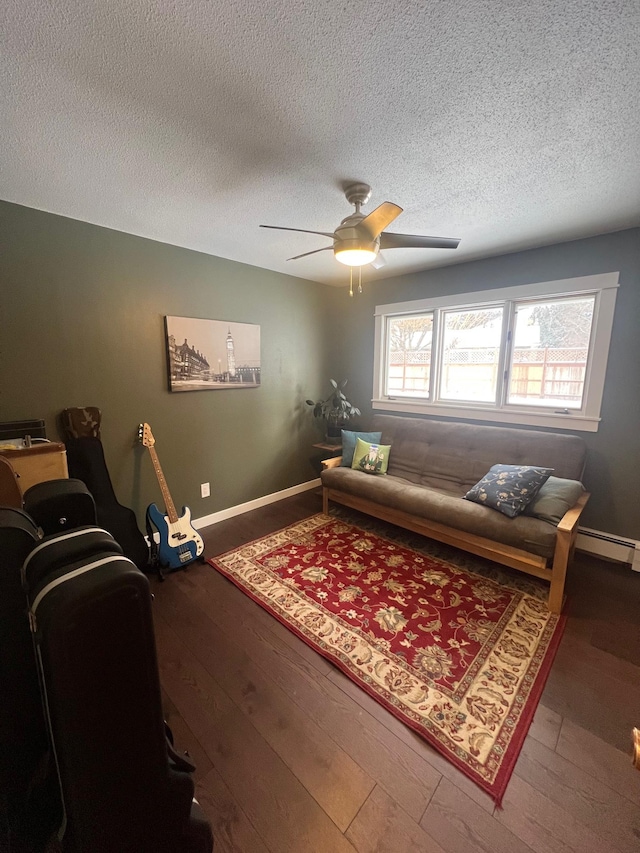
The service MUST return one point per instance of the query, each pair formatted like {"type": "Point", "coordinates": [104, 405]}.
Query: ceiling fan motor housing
{"type": "Point", "coordinates": [349, 237]}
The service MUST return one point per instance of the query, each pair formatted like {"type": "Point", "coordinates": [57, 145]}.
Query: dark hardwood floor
{"type": "Point", "coordinates": [293, 758]}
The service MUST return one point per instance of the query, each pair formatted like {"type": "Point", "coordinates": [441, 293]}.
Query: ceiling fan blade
{"type": "Point", "coordinates": [376, 221]}
{"type": "Point", "coordinates": [378, 262]}
{"type": "Point", "coordinates": [303, 230]}
{"type": "Point", "coordinates": [413, 241]}
{"type": "Point", "coordinates": [324, 249]}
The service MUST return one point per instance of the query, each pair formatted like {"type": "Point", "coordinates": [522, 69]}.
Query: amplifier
{"type": "Point", "coordinates": [46, 460]}
{"type": "Point", "coordinates": [18, 429]}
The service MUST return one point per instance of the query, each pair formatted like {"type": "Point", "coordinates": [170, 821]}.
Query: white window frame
{"type": "Point", "coordinates": [603, 286]}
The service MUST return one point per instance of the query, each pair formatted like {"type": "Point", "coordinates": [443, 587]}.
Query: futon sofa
{"type": "Point", "coordinates": [433, 464]}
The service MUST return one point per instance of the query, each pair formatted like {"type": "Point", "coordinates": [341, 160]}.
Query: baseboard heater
{"type": "Point", "coordinates": [605, 545]}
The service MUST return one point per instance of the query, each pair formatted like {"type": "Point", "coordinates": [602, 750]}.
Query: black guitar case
{"type": "Point", "coordinates": [29, 796]}
{"type": "Point", "coordinates": [123, 789]}
{"type": "Point", "coordinates": [58, 505]}
{"type": "Point", "coordinates": [86, 462]}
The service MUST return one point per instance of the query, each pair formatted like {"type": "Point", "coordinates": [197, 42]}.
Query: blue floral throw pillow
{"type": "Point", "coordinates": [509, 488]}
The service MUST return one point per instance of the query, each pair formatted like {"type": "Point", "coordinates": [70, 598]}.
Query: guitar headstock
{"type": "Point", "coordinates": [145, 435]}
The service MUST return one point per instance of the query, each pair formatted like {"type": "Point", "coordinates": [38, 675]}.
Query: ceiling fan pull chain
{"type": "Point", "coordinates": [350, 281]}
{"type": "Point", "coordinates": [359, 279]}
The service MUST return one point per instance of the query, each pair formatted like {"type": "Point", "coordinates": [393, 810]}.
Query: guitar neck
{"type": "Point", "coordinates": [168, 503]}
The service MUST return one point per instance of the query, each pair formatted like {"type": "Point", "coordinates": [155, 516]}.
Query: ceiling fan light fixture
{"type": "Point", "coordinates": [358, 239]}
{"type": "Point", "coordinates": [355, 257]}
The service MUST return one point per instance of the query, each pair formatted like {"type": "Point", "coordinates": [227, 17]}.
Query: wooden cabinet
{"type": "Point", "coordinates": [38, 463]}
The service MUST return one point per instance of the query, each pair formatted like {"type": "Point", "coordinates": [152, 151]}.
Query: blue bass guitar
{"type": "Point", "coordinates": [180, 542]}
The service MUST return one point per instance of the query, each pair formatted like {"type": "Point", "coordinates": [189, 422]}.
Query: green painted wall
{"type": "Point", "coordinates": [81, 323]}
{"type": "Point", "coordinates": [614, 451]}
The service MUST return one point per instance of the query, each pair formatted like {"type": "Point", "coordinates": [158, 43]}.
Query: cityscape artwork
{"type": "Point", "coordinates": [208, 355]}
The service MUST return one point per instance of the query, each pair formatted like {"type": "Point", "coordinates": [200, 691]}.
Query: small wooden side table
{"type": "Point", "coordinates": [332, 449]}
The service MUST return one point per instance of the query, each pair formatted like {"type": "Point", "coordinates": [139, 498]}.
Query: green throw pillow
{"type": "Point", "coordinates": [371, 458]}
{"type": "Point", "coordinates": [555, 497]}
{"type": "Point", "coordinates": [349, 439]}
{"type": "Point", "coordinates": [509, 488]}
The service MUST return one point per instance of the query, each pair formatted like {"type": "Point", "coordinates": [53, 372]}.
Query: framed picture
{"type": "Point", "coordinates": [208, 355]}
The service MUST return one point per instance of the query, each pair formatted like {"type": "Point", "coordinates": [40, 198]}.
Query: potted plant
{"type": "Point", "coordinates": [335, 409]}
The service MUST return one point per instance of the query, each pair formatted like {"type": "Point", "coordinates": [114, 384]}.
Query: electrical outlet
{"type": "Point", "coordinates": [205, 490]}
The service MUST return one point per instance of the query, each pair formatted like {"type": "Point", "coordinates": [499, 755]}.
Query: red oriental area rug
{"type": "Point", "coordinates": [457, 656]}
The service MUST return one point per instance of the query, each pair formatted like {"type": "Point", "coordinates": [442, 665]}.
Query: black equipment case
{"type": "Point", "coordinates": [58, 505]}
{"type": "Point", "coordinates": [52, 554]}
{"type": "Point", "coordinates": [28, 807]}
{"type": "Point", "coordinates": [29, 789]}
{"type": "Point", "coordinates": [90, 614]}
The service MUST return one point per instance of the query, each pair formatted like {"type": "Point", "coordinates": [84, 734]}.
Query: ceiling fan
{"type": "Point", "coordinates": [359, 237]}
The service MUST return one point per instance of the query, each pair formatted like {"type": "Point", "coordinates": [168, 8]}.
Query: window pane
{"type": "Point", "coordinates": [471, 354]}
{"type": "Point", "coordinates": [550, 349]}
{"type": "Point", "coordinates": [409, 355]}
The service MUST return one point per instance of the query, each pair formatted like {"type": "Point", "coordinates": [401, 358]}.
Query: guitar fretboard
{"type": "Point", "coordinates": [168, 503]}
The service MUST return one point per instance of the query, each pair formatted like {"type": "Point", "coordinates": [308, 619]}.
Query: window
{"type": "Point", "coordinates": [409, 355]}
{"type": "Point", "coordinates": [471, 354]}
{"type": "Point", "coordinates": [532, 355]}
{"type": "Point", "coordinates": [551, 340]}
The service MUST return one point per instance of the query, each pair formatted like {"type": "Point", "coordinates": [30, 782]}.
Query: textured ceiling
{"type": "Point", "coordinates": [508, 124]}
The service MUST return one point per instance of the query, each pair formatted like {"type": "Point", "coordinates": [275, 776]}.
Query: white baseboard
{"type": "Point", "coordinates": [223, 514]}
{"type": "Point", "coordinates": [607, 545]}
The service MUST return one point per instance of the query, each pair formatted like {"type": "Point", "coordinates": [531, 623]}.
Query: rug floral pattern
{"type": "Point", "coordinates": [456, 655]}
